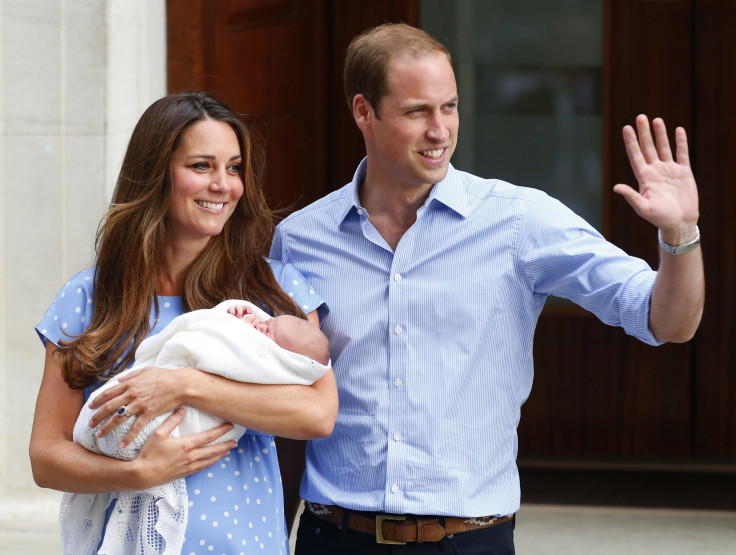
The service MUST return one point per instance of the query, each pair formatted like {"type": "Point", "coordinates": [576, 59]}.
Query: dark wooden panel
{"type": "Point", "coordinates": [649, 61]}
{"type": "Point", "coordinates": [274, 54]}
{"type": "Point", "coordinates": [714, 138]}
{"type": "Point", "coordinates": [350, 19]}
{"type": "Point", "coordinates": [185, 24]}
{"type": "Point", "coordinates": [279, 62]}
{"type": "Point", "coordinates": [598, 392]}
{"type": "Point", "coordinates": [266, 59]}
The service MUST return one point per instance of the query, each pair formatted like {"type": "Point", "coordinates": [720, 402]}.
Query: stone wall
{"type": "Point", "coordinates": [74, 77]}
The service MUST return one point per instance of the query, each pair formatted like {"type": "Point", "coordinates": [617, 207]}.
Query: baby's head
{"type": "Point", "coordinates": [298, 336]}
{"type": "Point", "coordinates": [289, 332]}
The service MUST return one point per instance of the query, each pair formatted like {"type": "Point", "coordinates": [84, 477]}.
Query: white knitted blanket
{"type": "Point", "coordinates": [210, 340]}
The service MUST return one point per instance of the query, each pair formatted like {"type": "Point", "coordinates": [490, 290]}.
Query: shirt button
{"type": "Point", "coordinates": [397, 382]}
{"type": "Point", "coordinates": [394, 488]}
{"type": "Point", "coordinates": [360, 211]}
{"type": "Point", "coordinates": [397, 436]}
{"type": "Point", "coordinates": [397, 277]}
{"type": "Point", "coordinates": [397, 330]}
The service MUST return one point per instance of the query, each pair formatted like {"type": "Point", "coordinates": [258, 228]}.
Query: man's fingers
{"type": "Point", "coordinates": [646, 142]}
{"type": "Point", "coordinates": [682, 152]}
{"type": "Point", "coordinates": [632, 197]}
{"type": "Point", "coordinates": [633, 150]}
{"type": "Point", "coordinates": [663, 142]}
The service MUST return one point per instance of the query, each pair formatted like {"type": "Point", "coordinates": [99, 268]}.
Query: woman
{"type": "Point", "coordinates": [187, 228]}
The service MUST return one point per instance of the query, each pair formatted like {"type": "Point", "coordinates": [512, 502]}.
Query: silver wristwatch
{"type": "Point", "coordinates": [680, 249]}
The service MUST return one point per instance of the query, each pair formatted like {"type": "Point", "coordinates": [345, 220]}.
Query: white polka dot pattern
{"type": "Point", "coordinates": [245, 486]}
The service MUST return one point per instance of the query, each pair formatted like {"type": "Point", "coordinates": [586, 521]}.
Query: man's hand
{"type": "Point", "coordinates": [668, 195]}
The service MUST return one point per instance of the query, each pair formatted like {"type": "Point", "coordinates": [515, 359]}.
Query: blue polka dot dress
{"type": "Point", "coordinates": [236, 505]}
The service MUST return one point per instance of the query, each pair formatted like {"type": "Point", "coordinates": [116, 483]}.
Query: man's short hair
{"type": "Point", "coordinates": [369, 55]}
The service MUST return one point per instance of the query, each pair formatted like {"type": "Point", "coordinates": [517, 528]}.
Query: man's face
{"type": "Point", "coordinates": [412, 142]}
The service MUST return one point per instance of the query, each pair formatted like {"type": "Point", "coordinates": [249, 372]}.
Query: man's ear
{"type": "Point", "coordinates": [362, 112]}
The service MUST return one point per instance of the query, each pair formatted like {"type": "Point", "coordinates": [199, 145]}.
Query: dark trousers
{"type": "Point", "coordinates": [318, 537]}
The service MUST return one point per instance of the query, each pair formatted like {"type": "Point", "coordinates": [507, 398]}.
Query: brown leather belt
{"type": "Point", "coordinates": [400, 529]}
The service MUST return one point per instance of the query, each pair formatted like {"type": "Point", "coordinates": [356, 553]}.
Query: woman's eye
{"type": "Point", "coordinates": [234, 168]}
{"type": "Point", "coordinates": [200, 166]}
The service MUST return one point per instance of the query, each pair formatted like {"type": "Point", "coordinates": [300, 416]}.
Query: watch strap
{"type": "Point", "coordinates": [680, 249]}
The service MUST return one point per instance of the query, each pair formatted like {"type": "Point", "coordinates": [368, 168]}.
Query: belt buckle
{"type": "Point", "coordinates": [379, 528]}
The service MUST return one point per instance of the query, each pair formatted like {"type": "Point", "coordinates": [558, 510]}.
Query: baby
{"type": "Point", "coordinates": [289, 332]}
{"type": "Point", "coordinates": [236, 340]}
{"type": "Point", "coordinates": [252, 347]}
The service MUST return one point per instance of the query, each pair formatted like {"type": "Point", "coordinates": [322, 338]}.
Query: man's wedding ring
{"type": "Point", "coordinates": [123, 411]}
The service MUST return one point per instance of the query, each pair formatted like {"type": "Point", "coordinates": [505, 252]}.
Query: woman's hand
{"type": "Point", "coordinates": [164, 459]}
{"type": "Point", "coordinates": [59, 463]}
{"type": "Point", "coordinates": [146, 393]}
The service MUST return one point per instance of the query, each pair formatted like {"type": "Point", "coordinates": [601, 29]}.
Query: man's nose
{"type": "Point", "coordinates": [437, 128]}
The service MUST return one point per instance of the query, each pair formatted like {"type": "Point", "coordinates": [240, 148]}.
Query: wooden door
{"type": "Point", "coordinates": [599, 393]}
{"type": "Point", "coordinates": [279, 64]}
{"type": "Point", "coordinates": [714, 139]}
{"type": "Point", "coordinates": [267, 61]}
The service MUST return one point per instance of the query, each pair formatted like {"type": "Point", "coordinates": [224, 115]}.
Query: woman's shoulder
{"type": "Point", "coordinates": [71, 310]}
{"type": "Point", "coordinates": [284, 272]}
{"type": "Point", "coordinates": [294, 284]}
{"type": "Point", "coordinates": [78, 287]}
{"type": "Point", "coordinates": [84, 279]}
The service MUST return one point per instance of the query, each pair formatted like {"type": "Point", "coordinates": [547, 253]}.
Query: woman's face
{"type": "Point", "coordinates": [206, 183]}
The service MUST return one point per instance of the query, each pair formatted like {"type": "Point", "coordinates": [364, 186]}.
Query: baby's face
{"type": "Point", "coordinates": [267, 328]}
{"type": "Point", "coordinates": [275, 328]}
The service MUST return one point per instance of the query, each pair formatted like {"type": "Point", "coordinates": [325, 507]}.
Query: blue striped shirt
{"type": "Point", "coordinates": [432, 342]}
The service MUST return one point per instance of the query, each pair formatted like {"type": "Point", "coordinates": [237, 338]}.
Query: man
{"type": "Point", "coordinates": [433, 281]}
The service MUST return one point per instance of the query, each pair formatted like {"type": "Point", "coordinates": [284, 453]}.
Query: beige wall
{"type": "Point", "coordinates": [74, 77]}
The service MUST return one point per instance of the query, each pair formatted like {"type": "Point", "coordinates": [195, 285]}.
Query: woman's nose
{"type": "Point", "coordinates": [220, 182]}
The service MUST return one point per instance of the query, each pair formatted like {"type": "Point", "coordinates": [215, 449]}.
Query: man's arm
{"type": "Point", "coordinates": [668, 198]}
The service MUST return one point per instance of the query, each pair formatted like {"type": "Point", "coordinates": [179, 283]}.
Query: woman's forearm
{"type": "Point", "coordinates": [63, 465]}
{"type": "Point", "coordinates": [59, 463]}
{"type": "Point", "coordinates": [294, 411]}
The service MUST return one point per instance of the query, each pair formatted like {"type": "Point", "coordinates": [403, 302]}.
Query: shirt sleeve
{"type": "Point", "coordinates": [70, 313]}
{"type": "Point", "coordinates": [560, 254]}
{"type": "Point", "coordinates": [296, 285]}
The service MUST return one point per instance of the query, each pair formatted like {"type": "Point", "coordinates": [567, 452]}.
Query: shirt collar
{"type": "Point", "coordinates": [450, 192]}
{"type": "Point", "coordinates": [351, 201]}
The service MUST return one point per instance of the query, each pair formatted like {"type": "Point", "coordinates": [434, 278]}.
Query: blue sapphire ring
{"type": "Point", "coordinates": [123, 411]}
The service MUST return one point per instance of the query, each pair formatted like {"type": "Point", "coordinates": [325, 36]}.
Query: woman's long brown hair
{"type": "Point", "coordinates": [131, 236]}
